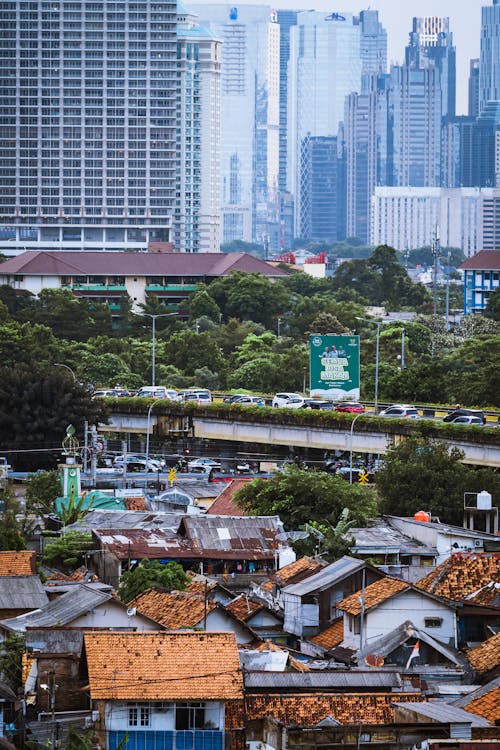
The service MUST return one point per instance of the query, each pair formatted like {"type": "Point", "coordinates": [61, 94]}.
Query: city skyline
{"type": "Point", "coordinates": [397, 18]}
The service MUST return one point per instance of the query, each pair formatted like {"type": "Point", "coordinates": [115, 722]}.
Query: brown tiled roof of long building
{"type": "Point", "coordinates": [174, 609]}
{"type": "Point", "coordinates": [308, 710]}
{"type": "Point", "coordinates": [375, 594]}
{"type": "Point", "coordinates": [163, 666]}
{"type": "Point", "coordinates": [462, 576]}
{"type": "Point", "coordinates": [330, 637]}
{"type": "Point", "coordinates": [484, 260]}
{"type": "Point", "coordinates": [22, 563]}
{"type": "Point", "coordinates": [486, 656]}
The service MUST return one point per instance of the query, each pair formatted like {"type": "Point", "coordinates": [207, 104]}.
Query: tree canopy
{"type": "Point", "coordinates": [150, 573]}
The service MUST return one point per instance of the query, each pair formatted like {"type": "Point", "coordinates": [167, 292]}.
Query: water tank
{"type": "Point", "coordinates": [422, 516]}
{"type": "Point", "coordinates": [483, 500]}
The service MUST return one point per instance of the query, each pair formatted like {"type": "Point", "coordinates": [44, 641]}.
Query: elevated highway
{"type": "Point", "coordinates": [321, 430]}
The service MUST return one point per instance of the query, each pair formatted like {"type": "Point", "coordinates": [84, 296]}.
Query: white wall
{"type": "Point", "coordinates": [217, 621]}
{"type": "Point", "coordinates": [163, 718]}
{"type": "Point", "coordinates": [136, 289]}
{"type": "Point", "coordinates": [111, 615]}
{"type": "Point", "coordinates": [409, 605]}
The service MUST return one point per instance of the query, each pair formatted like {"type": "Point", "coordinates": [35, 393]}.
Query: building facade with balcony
{"type": "Point", "coordinates": [481, 279]}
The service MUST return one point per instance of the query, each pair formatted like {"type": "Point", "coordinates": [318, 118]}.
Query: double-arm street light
{"type": "Point", "coordinates": [153, 317]}
{"type": "Point", "coordinates": [380, 323]}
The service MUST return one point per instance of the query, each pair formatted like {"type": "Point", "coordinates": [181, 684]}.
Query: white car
{"type": "Point", "coordinates": [288, 400]}
{"type": "Point", "coordinates": [401, 410]}
{"type": "Point", "coordinates": [467, 419]}
{"type": "Point", "coordinates": [204, 465]}
{"type": "Point", "coordinates": [158, 391]}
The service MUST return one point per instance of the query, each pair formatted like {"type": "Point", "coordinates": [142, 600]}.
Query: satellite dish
{"type": "Point", "coordinates": [313, 530]}
{"type": "Point", "coordinates": [374, 660]}
{"type": "Point", "coordinates": [131, 611]}
{"type": "Point", "coordinates": [294, 536]}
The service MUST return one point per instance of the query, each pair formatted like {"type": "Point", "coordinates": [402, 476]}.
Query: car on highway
{"type": "Point", "coordinates": [157, 391]}
{"type": "Point", "coordinates": [351, 407]}
{"type": "Point", "coordinates": [400, 410]}
{"type": "Point", "coordinates": [467, 419]}
{"type": "Point", "coordinates": [139, 460]}
{"type": "Point", "coordinates": [106, 393]}
{"type": "Point", "coordinates": [200, 396]}
{"type": "Point", "coordinates": [285, 400]}
{"type": "Point", "coordinates": [461, 412]}
{"type": "Point", "coordinates": [315, 403]}
{"type": "Point", "coordinates": [203, 465]}
{"type": "Point", "coordinates": [250, 400]}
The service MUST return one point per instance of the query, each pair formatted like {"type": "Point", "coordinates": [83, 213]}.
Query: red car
{"type": "Point", "coordinates": [350, 406]}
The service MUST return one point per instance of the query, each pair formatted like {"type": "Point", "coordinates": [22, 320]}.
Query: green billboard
{"type": "Point", "coordinates": [334, 366]}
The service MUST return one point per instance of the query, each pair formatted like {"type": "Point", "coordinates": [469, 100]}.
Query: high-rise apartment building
{"type": "Point", "coordinates": [489, 74]}
{"type": "Point", "coordinates": [87, 123]}
{"type": "Point", "coordinates": [473, 108]}
{"type": "Point", "coordinates": [197, 205]}
{"type": "Point", "coordinates": [286, 19]}
{"type": "Point", "coordinates": [325, 66]}
{"type": "Point", "coordinates": [250, 117]}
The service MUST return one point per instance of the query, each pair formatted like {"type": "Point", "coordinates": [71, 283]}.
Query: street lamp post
{"type": "Point", "coordinates": [67, 367]}
{"type": "Point", "coordinates": [378, 323]}
{"type": "Point", "coordinates": [148, 425]}
{"type": "Point", "coordinates": [153, 317]}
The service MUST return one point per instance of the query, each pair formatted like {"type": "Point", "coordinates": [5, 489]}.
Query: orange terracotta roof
{"type": "Point", "coordinates": [80, 574]}
{"type": "Point", "coordinates": [487, 705]}
{"type": "Point", "coordinates": [307, 710]}
{"type": "Point", "coordinates": [22, 563]}
{"type": "Point", "coordinates": [135, 503]}
{"type": "Point", "coordinates": [463, 575]}
{"type": "Point", "coordinates": [174, 609]}
{"type": "Point", "coordinates": [243, 607]}
{"type": "Point", "coordinates": [224, 504]}
{"type": "Point", "coordinates": [198, 588]}
{"type": "Point", "coordinates": [163, 666]}
{"type": "Point", "coordinates": [375, 594]}
{"type": "Point", "coordinates": [486, 656]}
{"type": "Point", "coordinates": [330, 637]}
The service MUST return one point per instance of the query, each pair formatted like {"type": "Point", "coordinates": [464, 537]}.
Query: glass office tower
{"type": "Point", "coordinates": [489, 75]}
{"type": "Point", "coordinates": [87, 123]}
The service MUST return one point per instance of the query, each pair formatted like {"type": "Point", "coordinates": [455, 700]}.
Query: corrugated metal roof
{"type": "Point", "coordinates": [321, 680]}
{"type": "Point", "coordinates": [443, 713]}
{"type": "Point", "coordinates": [386, 538]}
{"type": "Point", "coordinates": [128, 519]}
{"type": "Point", "coordinates": [60, 611]}
{"type": "Point", "coordinates": [337, 571]}
{"type": "Point", "coordinates": [22, 592]}
{"type": "Point", "coordinates": [54, 641]}
{"type": "Point", "coordinates": [233, 536]}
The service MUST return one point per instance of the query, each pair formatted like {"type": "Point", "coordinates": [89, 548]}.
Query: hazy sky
{"type": "Point", "coordinates": [396, 16]}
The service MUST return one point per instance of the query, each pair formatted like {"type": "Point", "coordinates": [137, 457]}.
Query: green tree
{"type": "Point", "coordinates": [11, 661]}
{"type": "Point", "coordinates": [249, 296]}
{"type": "Point", "coordinates": [43, 488]}
{"type": "Point", "coordinates": [36, 406]}
{"type": "Point", "coordinates": [239, 246]}
{"type": "Point", "coordinates": [300, 496]}
{"type": "Point", "coordinates": [327, 323]}
{"type": "Point", "coordinates": [190, 351]}
{"type": "Point", "coordinates": [68, 551]}
{"type": "Point", "coordinates": [232, 334]}
{"type": "Point", "coordinates": [202, 304]}
{"type": "Point", "coordinates": [67, 316]}
{"type": "Point", "coordinates": [420, 474]}
{"type": "Point", "coordinates": [11, 537]}
{"type": "Point", "coordinates": [150, 573]}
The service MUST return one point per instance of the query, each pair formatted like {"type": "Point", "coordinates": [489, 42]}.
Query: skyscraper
{"type": "Point", "coordinates": [197, 209]}
{"type": "Point", "coordinates": [474, 69]}
{"type": "Point", "coordinates": [87, 130]}
{"type": "Point", "coordinates": [422, 94]}
{"type": "Point", "coordinates": [366, 151]}
{"type": "Point", "coordinates": [489, 75]}
{"type": "Point", "coordinates": [286, 19]}
{"type": "Point", "coordinates": [325, 66]}
{"type": "Point", "coordinates": [250, 83]}
{"type": "Point", "coordinates": [321, 189]}
{"type": "Point", "coordinates": [373, 43]}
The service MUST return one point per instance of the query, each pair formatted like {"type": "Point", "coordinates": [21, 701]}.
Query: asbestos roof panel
{"type": "Point", "coordinates": [383, 537]}
{"type": "Point", "coordinates": [22, 592]}
{"type": "Point", "coordinates": [54, 641]}
{"type": "Point", "coordinates": [351, 680]}
{"type": "Point", "coordinates": [443, 713]}
{"type": "Point", "coordinates": [60, 611]}
{"type": "Point", "coordinates": [326, 577]}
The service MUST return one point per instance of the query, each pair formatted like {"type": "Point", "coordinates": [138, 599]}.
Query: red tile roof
{"type": "Point", "coordinates": [487, 705]}
{"type": "Point", "coordinates": [486, 656]}
{"type": "Point", "coordinates": [243, 607]}
{"type": "Point", "coordinates": [465, 575]}
{"type": "Point", "coordinates": [375, 594]}
{"type": "Point", "coordinates": [297, 571]}
{"type": "Point", "coordinates": [224, 504]}
{"type": "Point", "coordinates": [330, 637]}
{"type": "Point", "coordinates": [174, 609]}
{"type": "Point", "coordinates": [22, 563]}
{"type": "Point", "coordinates": [163, 666]}
{"type": "Point", "coordinates": [69, 263]}
{"type": "Point", "coordinates": [307, 710]}
{"type": "Point", "coordinates": [484, 260]}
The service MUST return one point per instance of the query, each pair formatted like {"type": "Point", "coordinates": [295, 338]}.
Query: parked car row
{"type": "Point", "coordinates": [199, 395]}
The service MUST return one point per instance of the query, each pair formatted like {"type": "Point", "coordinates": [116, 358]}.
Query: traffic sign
{"type": "Point", "coordinates": [172, 476]}
{"type": "Point", "coordinates": [363, 477]}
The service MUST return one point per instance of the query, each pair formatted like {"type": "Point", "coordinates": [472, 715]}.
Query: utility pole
{"type": "Point", "coordinates": [447, 304]}
{"type": "Point", "coordinates": [93, 458]}
{"type": "Point", "coordinates": [436, 247]}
